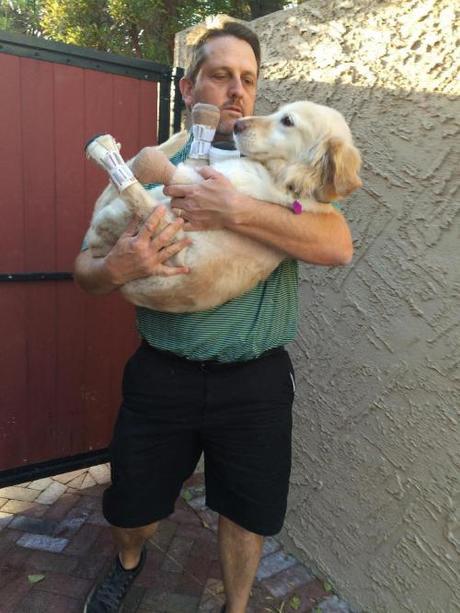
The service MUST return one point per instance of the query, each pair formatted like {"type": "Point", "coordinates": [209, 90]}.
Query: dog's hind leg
{"type": "Point", "coordinates": [104, 150]}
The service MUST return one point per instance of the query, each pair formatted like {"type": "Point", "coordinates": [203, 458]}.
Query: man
{"type": "Point", "coordinates": [218, 381]}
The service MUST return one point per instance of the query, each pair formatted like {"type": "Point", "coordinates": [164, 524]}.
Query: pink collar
{"type": "Point", "coordinates": [296, 207]}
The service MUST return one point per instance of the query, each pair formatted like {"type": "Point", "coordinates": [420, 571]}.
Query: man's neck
{"type": "Point", "coordinates": [220, 137]}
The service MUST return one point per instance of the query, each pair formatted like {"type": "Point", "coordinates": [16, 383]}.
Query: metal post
{"type": "Point", "coordinates": [164, 110]}
{"type": "Point", "coordinates": [178, 102]}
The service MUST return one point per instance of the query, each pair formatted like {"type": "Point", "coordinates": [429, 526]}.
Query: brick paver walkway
{"type": "Point", "coordinates": [54, 544]}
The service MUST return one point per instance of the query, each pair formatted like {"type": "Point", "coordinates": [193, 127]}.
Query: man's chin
{"type": "Point", "coordinates": [225, 129]}
{"type": "Point", "coordinates": [230, 116]}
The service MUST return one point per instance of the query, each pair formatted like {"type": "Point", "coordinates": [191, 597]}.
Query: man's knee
{"type": "Point", "coordinates": [229, 526]}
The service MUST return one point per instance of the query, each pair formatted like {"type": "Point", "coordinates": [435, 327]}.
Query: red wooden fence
{"type": "Point", "coordinates": [61, 351]}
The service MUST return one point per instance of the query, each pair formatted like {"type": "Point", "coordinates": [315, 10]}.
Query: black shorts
{"type": "Point", "coordinates": [174, 409]}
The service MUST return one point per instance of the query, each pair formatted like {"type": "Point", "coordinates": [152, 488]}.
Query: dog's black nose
{"type": "Point", "coordinates": [239, 126]}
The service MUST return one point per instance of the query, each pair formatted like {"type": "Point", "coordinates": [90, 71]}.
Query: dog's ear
{"type": "Point", "coordinates": [339, 167]}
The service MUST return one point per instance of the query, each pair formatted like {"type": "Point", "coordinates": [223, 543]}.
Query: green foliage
{"type": "Point", "coordinates": [20, 16]}
{"type": "Point", "coordinates": [259, 8]}
{"type": "Point", "coordinates": [187, 495]}
{"type": "Point", "coordinates": [143, 28]}
{"type": "Point", "coordinates": [35, 578]}
{"type": "Point", "coordinates": [190, 13]}
{"type": "Point", "coordinates": [295, 602]}
{"type": "Point", "coordinates": [79, 22]}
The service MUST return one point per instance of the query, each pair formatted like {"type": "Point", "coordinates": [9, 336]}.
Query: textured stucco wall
{"type": "Point", "coordinates": [375, 495]}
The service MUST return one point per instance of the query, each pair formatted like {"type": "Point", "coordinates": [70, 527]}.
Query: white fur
{"type": "Point", "coordinates": [283, 163]}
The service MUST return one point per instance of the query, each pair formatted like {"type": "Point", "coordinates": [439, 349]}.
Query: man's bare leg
{"type": "Point", "coordinates": [129, 542]}
{"type": "Point", "coordinates": [239, 552]}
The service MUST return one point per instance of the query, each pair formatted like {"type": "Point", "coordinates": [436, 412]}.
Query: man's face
{"type": "Point", "coordinates": [227, 78]}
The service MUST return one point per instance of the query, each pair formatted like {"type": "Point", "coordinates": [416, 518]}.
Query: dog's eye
{"type": "Point", "coordinates": [287, 121]}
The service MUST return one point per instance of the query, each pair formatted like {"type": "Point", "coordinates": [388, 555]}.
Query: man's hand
{"type": "Point", "coordinates": [140, 251]}
{"type": "Point", "coordinates": [204, 206]}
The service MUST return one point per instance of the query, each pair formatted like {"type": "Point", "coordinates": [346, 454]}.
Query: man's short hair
{"type": "Point", "coordinates": [229, 28]}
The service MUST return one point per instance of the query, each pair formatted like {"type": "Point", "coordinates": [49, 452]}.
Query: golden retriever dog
{"type": "Point", "coordinates": [303, 152]}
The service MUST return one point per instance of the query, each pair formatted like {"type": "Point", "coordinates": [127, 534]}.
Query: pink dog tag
{"type": "Point", "coordinates": [297, 207]}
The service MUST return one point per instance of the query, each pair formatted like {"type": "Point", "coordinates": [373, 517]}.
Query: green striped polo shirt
{"type": "Point", "coordinates": [241, 329]}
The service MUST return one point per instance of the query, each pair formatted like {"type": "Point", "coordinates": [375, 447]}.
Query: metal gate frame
{"type": "Point", "coordinates": [170, 107]}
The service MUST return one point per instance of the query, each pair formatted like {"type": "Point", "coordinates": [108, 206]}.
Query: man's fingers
{"type": "Point", "coordinates": [166, 235]}
{"type": "Point", "coordinates": [152, 223]}
{"type": "Point", "coordinates": [173, 248]}
{"type": "Point", "coordinates": [167, 253]}
{"type": "Point", "coordinates": [190, 226]}
{"type": "Point", "coordinates": [180, 244]}
{"type": "Point", "coordinates": [207, 172]}
{"type": "Point", "coordinates": [179, 191]}
{"type": "Point", "coordinates": [178, 212]}
{"type": "Point", "coordinates": [170, 271]}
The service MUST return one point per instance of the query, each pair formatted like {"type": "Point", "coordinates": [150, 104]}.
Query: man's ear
{"type": "Point", "coordinates": [186, 89]}
{"type": "Point", "coordinates": [339, 165]}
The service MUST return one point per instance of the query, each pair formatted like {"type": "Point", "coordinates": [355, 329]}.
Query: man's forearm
{"type": "Point", "coordinates": [316, 238]}
{"type": "Point", "coordinates": [93, 275]}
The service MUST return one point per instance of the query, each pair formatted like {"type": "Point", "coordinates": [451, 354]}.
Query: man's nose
{"type": "Point", "coordinates": [236, 88]}
{"type": "Point", "coordinates": [239, 126]}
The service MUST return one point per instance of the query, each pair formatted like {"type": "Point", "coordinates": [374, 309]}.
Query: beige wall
{"type": "Point", "coordinates": [375, 495]}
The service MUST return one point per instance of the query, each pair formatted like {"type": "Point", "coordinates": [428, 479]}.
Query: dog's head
{"type": "Point", "coordinates": [307, 147]}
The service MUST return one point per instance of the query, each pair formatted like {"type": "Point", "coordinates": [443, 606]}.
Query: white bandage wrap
{"type": "Point", "coordinates": [118, 170]}
{"type": "Point", "coordinates": [201, 132]}
{"type": "Point", "coordinates": [202, 139]}
{"type": "Point", "coordinates": [199, 150]}
{"type": "Point", "coordinates": [113, 163]}
{"type": "Point", "coordinates": [220, 155]}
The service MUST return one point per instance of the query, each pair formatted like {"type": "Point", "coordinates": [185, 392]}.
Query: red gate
{"type": "Point", "coordinates": [61, 351]}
